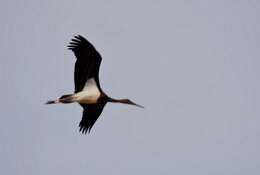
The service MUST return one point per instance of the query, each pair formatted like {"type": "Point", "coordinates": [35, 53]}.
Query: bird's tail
{"type": "Point", "coordinates": [63, 99]}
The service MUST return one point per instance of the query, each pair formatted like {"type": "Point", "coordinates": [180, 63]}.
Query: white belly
{"type": "Point", "coordinates": [89, 94]}
{"type": "Point", "coordinates": [86, 97]}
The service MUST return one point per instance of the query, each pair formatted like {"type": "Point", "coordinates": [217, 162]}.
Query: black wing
{"type": "Point", "coordinates": [91, 113]}
{"type": "Point", "coordinates": [87, 64]}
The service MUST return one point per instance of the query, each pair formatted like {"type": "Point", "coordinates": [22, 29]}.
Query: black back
{"type": "Point", "coordinates": [87, 63]}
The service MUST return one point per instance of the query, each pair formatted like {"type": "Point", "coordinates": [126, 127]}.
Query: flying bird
{"type": "Point", "coordinates": [88, 92]}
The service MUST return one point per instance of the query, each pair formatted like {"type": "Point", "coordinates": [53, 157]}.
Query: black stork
{"type": "Point", "coordinates": [88, 92]}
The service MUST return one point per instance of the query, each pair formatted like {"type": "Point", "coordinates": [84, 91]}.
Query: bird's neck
{"type": "Point", "coordinates": [123, 101]}
{"type": "Point", "coordinates": [113, 100]}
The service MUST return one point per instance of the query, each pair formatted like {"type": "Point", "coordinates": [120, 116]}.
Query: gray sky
{"type": "Point", "coordinates": [194, 65]}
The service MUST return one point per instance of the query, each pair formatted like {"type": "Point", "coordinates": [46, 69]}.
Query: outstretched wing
{"type": "Point", "coordinates": [91, 113]}
{"type": "Point", "coordinates": [87, 63]}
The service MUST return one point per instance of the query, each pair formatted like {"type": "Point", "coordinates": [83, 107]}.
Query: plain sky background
{"type": "Point", "coordinates": [194, 65]}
